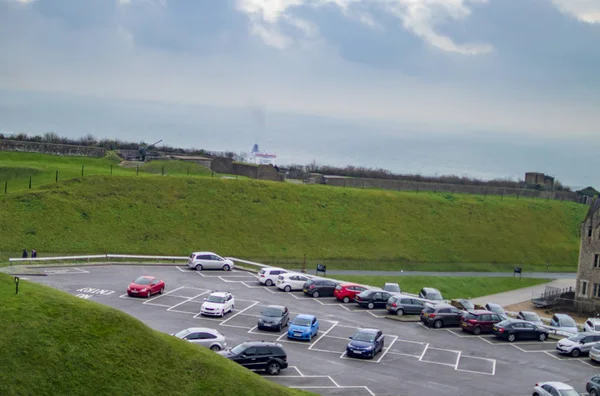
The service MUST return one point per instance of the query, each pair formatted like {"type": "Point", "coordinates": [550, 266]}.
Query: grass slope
{"type": "Point", "coordinates": [56, 344]}
{"type": "Point", "coordinates": [450, 287]}
{"type": "Point", "coordinates": [172, 215]}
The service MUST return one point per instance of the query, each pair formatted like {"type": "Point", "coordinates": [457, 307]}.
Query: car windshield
{"type": "Point", "coordinates": [216, 299]}
{"type": "Point", "coordinates": [496, 309]}
{"type": "Point", "coordinates": [310, 282]}
{"type": "Point", "coordinates": [567, 322]}
{"type": "Point", "coordinates": [434, 296]}
{"type": "Point", "coordinates": [183, 333]}
{"type": "Point", "coordinates": [301, 322]}
{"type": "Point", "coordinates": [531, 316]}
{"type": "Point", "coordinates": [467, 304]}
{"type": "Point", "coordinates": [272, 312]}
{"type": "Point", "coordinates": [238, 349]}
{"type": "Point", "coordinates": [262, 271]}
{"type": "Point", "coordinates": [391, 287]}
{"type": "Point", "coordinates": [143, 280]}
{"type": "Point", "coordinates": [364, 336]}
{"type": "Point", "coordinates": [577, 337]}
{"type": "Point", "coordinates": [471, 316]}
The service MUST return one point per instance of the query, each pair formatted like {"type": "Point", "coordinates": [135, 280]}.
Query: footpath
{"type": "Point", "coordinates": [522, 295]}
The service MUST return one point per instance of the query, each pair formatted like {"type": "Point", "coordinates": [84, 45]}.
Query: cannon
{"type": "Point", "coordinates": [143, 151]}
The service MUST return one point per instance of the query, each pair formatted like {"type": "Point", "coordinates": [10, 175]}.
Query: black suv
{"type": "Point", "coordinates": [258, 355]}
{"type": "Point", "coordinates": [400, 305]}
{"type": "Point", "coordinates": [441, 315]}
{"type": "Point", "coordinates": [319, 288]}
{"type": "Point", "coordinates": [372, 299]}
{"type": "Point", "coordinates": [274, 317]}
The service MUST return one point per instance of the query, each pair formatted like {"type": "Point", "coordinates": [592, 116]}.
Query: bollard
{"type": "Point", "coordinates": [137, 170]}
{"type": "Point", "coordinates": [16, 285]}
{"type": "Point", "coordinates": [111, 169]}
{"type": "Point", "coordinates": [162, 171]}
{"type": "Point", "coordinates": [56, 179]}
{"type": "Point", "coordinates": [5, 187]}
{"type": "Point", "coordinates": [30, 182]}
{"type": "Point", "coordinates": [82, 170]}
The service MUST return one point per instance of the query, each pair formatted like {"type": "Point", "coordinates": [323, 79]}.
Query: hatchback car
{"type": "Point", "coordinates": [441, 315]}
{"type": "Point", "coordinates": [577, 344]}
{"type": "Point", "coordinates": [209, 260]}
{"type": "Point", "coordinates": [497, 309]}
{"type": "Point", "coordinates": [479, 321]}
{"type": "Point", "coordinates": [592, 325]}
{"type": "Point", "coordinates": [515, 329]}
{"type": "Point", "coordinates": [274, 317]}
{"type": "Point", "coordinates": [217, 304]}
{"type": "Point", "coordinates": [268, 276]}
{"type": "Point", "coordinates": [291, 281]}
{"type": "Point", "coordinates": [404, 305]}
{"type": "Point", "coordinates": [593, 386]}
{"type": "Point", "coordinates": [303, 327]}
{"type": "Point", "coordinates": [146, 286]}
{"type": "Point", "coordinates": [372, 299]}
{"type": "Point", "coordinates": [431, 294]}
{"type": "Point", "coordinates": [563, 322]}
{"type": "Point", "coordinates": [209, 338]}
{"type": "Point", "coordinates": [319, 288]}
{"type": "Point", "coordinates": [554, 389]}
{"type": "Point", "coordinates": [530, 317]}
{"type": "Point", "coordinates": [345, 292]}
{"type": "Point", "coordinates": [258, 356]}
{"type": "Point", "coordinates": [365, 343]}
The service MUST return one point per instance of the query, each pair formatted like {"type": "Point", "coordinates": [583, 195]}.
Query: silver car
{"type": "Point", "coordinates": [577, 344]}
{"type": "Point", "coordinates": [209, 260]}
{"type": "Point", "coordinates": [206, 337]}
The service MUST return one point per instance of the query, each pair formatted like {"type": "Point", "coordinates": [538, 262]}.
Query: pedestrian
{"type": "Point", "coordinates": [24, 255]}
{"type": "Point", "coordinates": [33, 253]}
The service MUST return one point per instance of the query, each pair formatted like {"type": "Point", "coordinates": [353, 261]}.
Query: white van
{"type": "Point", "coordinates": [268, 276]}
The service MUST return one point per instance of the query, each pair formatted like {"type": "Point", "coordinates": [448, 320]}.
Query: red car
{"type": "Point", "coordinates": [146, 286]}
{"type": "Point", "coordinates": [479, 321]}
{"type": "Point", "coordinates": [345, 292]}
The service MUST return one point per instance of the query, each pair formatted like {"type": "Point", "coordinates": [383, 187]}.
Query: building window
{"type": "Point", "coordinates": [583, 286]}
{"type": "Point", "coordinates": [590, 231]}
{"type": "Point", "coordinates": [596, 260]}
{"type": "Point", "coordinates": [596, 290]}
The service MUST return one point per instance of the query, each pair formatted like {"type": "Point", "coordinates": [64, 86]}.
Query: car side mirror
{"type": "Point", "coordinates": [350, 337]}
{"type": "Point", "coordinates": [205, 299]}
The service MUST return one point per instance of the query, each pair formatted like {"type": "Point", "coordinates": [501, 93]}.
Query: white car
{"type": "Point", "coordinates": [209, 260]}
{"type": "Point", "coordinates": [554, 389]}
{"type": "Point", "coordinates": [217, 304]}
{"type": "Point", "coordinates": [577, 344]}
{"type": "Point", "coordinates": [268, 276]}
{"type": "Point", "coordinates": [209, 338]}
{"type": "Point", "coordinates": [592, 325]}
{"type": "Point", "coordinates": [291, 281]}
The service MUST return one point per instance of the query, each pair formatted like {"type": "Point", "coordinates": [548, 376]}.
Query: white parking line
{"type": "Point", "coordinates": [251, 331]}
{"type": "Point", "coordinates": [386, 350]}
{"type": "Point", "coordinates": [423, 354]}
{"type": "Point", "coordinates": [241, 312]}
{"type": "Point", "coordinates": [151, 301]}
{"type": "Point", "coordinates": [181, 269]}
{"type": "Point", "coordinates": [457, 360]}
{"type": "Point", "coordinates": [323, 335]}
{"type": "Point", "coordinates": [185, 301]}
{"type": "Point", "coordinates": [526, 351]}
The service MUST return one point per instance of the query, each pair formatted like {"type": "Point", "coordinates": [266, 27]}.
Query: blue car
{"type": "Point", "coordinates": [365, 343]}
{"type": "Point", "coordinates": [303, 327]}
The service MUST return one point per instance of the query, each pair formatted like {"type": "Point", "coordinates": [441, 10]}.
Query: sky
{"type": "Point", "coordinates": [483, 88]}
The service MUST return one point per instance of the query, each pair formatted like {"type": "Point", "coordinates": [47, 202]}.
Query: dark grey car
{"type": "Point", "coordinates": [274, 317]}
{"type": "Point", "coordinates": [593, 386]}
{"type": "Point", "coordinates": [403, 305]}
{"type": "Point", "coordinates": [441, 315]}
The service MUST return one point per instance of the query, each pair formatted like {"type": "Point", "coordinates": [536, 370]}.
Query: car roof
{"type": "Point", "coordinates": [491, 304]}
{"type": "Point", "coordinates": [276, 306]}
{"type": "Point", "coordinates": [146, 276]}
{"type": "Point", "coordinates": [481, 312]}
{"type": "Point", "coordinates": [440, 305]}
{"type": "Point", "coordinates": [558, 385]}
{"type": "Point", "coordinates": [559, 316]}
{"type": "Point", "coordinates": [305, 316]}
{"type": "Point", "coordinates": [391, 283]}
{"type": "Point", "coordinates": [257, 343]}
{"type": "Point", "coordinates": [528, 313]}
{"type": "Point", "coordinates": [202, 330]}
{"type": "Point", "coordinates": [594, 320]}
{"type": "Point", "coordinates": [197, 253]}
{"type": "Point", "coordinates": [346, 284]}
{"type": "Point", "coordinates": [219, 294]}
{"type": "Point", "coordinates": [367, 330]}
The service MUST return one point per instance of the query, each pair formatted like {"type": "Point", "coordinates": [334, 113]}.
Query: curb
{"type": "Point", "coordinates": [406, 319]}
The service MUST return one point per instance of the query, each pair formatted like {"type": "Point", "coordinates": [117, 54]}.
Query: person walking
{"type": "Point", "coordinates": [33, 253]}
{"type": "Point", "coordinates": [24, 255]}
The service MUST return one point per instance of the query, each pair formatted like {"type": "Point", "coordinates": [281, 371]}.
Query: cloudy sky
{"type": "Point", "coordinates": [486, 88]}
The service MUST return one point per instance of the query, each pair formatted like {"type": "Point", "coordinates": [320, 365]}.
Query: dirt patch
{"type": "Point", "coordinates": [543, 313]}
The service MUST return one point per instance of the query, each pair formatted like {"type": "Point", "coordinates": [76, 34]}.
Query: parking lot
{"type": "Point", "coordinates": [416, 360]}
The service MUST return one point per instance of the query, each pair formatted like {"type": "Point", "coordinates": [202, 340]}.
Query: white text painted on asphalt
{"type": "Point", "coordinates": [92, 290]}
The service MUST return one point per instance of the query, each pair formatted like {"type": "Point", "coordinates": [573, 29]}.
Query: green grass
{"type": "Point", "coordinates": [279, 221]}
{"type": "Point", "coordinates": [450, 287]}
{"type": "Point", "coordinates": [56, 344]}
{"type": "Point", "coordinates": [175, 168]}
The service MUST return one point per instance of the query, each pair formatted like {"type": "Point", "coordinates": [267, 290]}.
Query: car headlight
{"type": "Point", "coordinates": [370, 347]}
{"type": "Point", "coordinates": [143, 290]}
{"type": "Point", "coordinates": [260, 320]}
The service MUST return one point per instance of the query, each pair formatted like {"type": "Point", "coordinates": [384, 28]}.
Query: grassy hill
{"type": "Point", "coordinates": [56, 344]}
{"type": "Point", "coordinates": [278, 221]}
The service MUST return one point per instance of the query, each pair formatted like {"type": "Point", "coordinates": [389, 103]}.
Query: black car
{"type": "Point", "coordinates": [401, 305]}
{"type": "Point", "coordinates": [516, 329]}
{"type": "Point", "coordinates": [258, 356]}
{"type": "Point", "coordinates": [274, 317]}
{"type": "Point", "coordinates": [441, 315]}
{"type": "Point", "coordinates": [373, 299]}
{"type": "Point", "coordinates": [319, 288]}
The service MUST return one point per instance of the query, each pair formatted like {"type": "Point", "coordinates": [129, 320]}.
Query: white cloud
{"type": "Point", "coordinates": [420, 17]}
{"type": "Point", "coordinates": [585, 10]}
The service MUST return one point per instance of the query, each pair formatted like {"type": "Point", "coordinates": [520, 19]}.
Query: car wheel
{"type": "Point", "coordinates": [593, 392]}
{"type": "Point", "coordinates": [315, 294]}
{"type": "Point", "coordinates": [274, 368]}
{"type": "Point", "coordinates": [511, 337]}
{"type": "Point", "coordinates": [288, 288]}
{"type": "Point", "coordinates": [198, 267]}
{"type": "Point", "coordinates": [477, 330]}
{"type": "Point", "coordinates": [370, 305]}
{"type": "Point", "coordinates": [536, 394]}
{"type": "Point", "coordinates": [162, 290]}
{"type": "Point", "coordinates": [575, 352]}
{"type": "Point", "coordinates": [149, 294]}
{"type": "Point", "coordinates": [346, 300]}
{"type": "Point", "coordinates": [269, 282]}
{"type": "Point", "coordinates": [215, 348]}
{"type": "Point", "coordinates": [310, 337]}
{"type": "Point", "coordinates": [438, 324]}
{"type": "Point", "coordinates": [400, 312]}
{"type": "Point", "coordinates": [226, 267]}
{"type": "Point", "coordinates": [223, 313]}
{"type": "Point", "coordinates": [542, 337]}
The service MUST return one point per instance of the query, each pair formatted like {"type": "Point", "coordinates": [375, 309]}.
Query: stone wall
{"type": "Point", "coordinates": [261, 172]}
{"type": "Point", "coordinates": [247, 170]}
{"type": "Point", "coordinates": [404, 185]}
{"type": "Point", "coordinates": [589, 265]}
{"type": "Point", "coordinates": [50, 148]}
{"type": "Point", "coordinates": [222, 165]}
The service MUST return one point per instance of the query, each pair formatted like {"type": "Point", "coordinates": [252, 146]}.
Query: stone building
{"type": "Point", "coordinates": [539, 179]}
{"type": "Point", "coordinates": [588, 272]}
